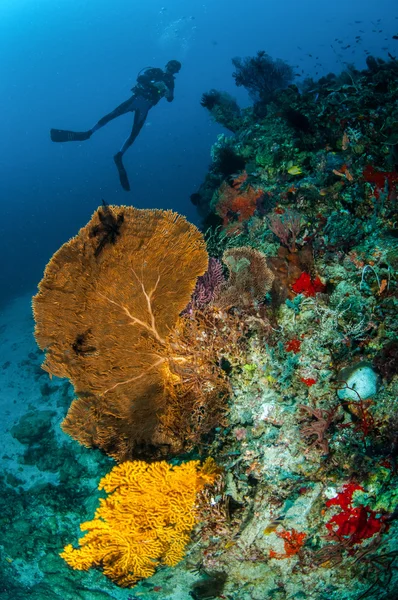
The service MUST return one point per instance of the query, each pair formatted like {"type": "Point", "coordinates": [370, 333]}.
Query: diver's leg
{"type": "Point", "coordinates": [63, 135]}
{"type": "Point", "coordinates": [139, 120]}
{"type": "Point", "coordinates": [122, 109]}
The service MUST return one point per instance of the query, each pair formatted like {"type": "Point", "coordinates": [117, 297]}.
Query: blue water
{"type": "Point", "coordinates": [66, 63]}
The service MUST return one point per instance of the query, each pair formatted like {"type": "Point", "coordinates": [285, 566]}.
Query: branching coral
{"type": "Point", "coordinates": [317, 428]}
{"type": "Point", "coordinates": [144, 522]}
{"type": "Point", "coordinates": [104, 321]}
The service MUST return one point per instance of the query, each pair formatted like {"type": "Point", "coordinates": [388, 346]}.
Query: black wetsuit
{"type": "Point", "coordinates": [152, 85]}
{"type": "Point", "coordinates": [146, 94]}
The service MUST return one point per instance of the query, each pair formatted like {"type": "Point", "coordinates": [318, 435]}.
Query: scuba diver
{"type": "Point", "coordinates": [152, 85]}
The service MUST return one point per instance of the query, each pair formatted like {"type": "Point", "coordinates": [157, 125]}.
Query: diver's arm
{"type": "Point", "coordinates": [169, 95]}
{"type": "Point", "coordinates": [165, 90]}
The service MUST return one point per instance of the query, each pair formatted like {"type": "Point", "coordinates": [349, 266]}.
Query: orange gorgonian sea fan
{"type": "Point", "coordinates": [108, 301]}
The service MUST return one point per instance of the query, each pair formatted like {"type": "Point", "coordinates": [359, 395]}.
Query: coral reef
{"type": "Point", "coordinates": [310, 451]}
{"type": "Point", "coordinates": [276, 356]}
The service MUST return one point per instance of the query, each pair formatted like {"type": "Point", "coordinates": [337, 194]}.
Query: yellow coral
{"type": "Point", "coordinates": [145, 520]}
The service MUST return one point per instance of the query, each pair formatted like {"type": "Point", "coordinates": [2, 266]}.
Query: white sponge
{"type": "Point", "coordinates": [361, 378]}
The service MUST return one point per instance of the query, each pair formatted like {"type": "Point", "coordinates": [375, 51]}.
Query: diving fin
{"type": "Point", "coordinates": [124, 180]}
{"type": "Point", "coordinates": [63, 135]}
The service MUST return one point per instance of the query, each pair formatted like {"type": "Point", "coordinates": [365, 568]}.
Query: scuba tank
{"type": "Point", "coordinates": [149, 75]}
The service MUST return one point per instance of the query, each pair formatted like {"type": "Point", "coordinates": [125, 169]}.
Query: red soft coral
{"type": "Point", "coordinates": [379, 178]}
{"type": "Point", "coordinates": [307, 286]}
{"type": "Point", "coordinates": [353, 524]}
{"type": "Point", "coordinates": [293, 346]}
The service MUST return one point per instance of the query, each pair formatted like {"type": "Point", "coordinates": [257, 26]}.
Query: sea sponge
{"type": "Point", "coordinates": [144, 522]}
{"type": "Point", "coordinates": [358, 382]}
{"type": "Point", "coordinates": [107, 302]}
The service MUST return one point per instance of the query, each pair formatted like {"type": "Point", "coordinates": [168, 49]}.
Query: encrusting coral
{"type": "Point", "coordinates": [144, 522]}
{"type": "Point", "coordinates": [104, 319]}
